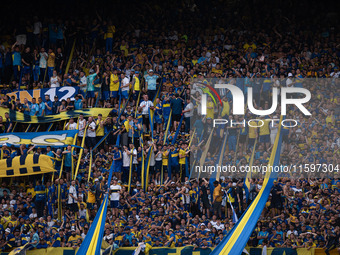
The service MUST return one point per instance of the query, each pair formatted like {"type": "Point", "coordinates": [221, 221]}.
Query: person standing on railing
{"type": "Point", "coordinates": [158, 116]}
{"type": "Point", "coordinates": [27, 61]}
{"type": "Point", "coordinates": [90, 86]}
{"type": "Point", "coordinates": [91, 133]}
{"type": "Point", "coordinates": [40, 198]}
{"type": "Point", "coordinates": [114, 86]}
{"type": "Point", "coordinates": [125, 88]}
{"type": "Point", "coordinates": [59, 61]}
{"type": "Point", "coordinates": [81, 127]}
{"type": "Point", "coordinates": [36, 69]}
{"type": "Point", "coordinates": [105, 88]}
{"type": "Point", "coordinates": [43, 64]}
{"type": "Point", "coordinates": [151, 84]}
{"type": "Point", "coordinates": [135, 85]}
{"type": "Point", "coordinates": [100, 130]}
{"type": "Point", "coordinates": [16, 56]}
{"type": "Point", "coordinates": [110, 30]}
{"type": "Point", "coordinates": [144, 107]}
{"type": "Point", "coordinates": [176, 106]}
{"type": "Point", "coordinates": [188, 113]}
{"type": "Point", "coordinates": [50, 63]}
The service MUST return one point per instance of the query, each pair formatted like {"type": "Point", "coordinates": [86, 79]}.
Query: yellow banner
{"type": "Point", "coordinates": [26, 165]}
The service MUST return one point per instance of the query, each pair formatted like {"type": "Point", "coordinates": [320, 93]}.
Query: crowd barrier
{"type": "Point", "coordinates": [188, 250]}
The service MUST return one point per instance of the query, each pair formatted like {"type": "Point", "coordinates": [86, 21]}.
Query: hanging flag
{"type": "Point", "coordinates": [235, 218]}
{"type": "Point", "coordinates": [146, 169]}
{"type": "Point", "coordinates": [177, 131]}
{"type": "Point", "coordinates": [90, 166]}
{"type": "Point", "coordinates": [26, 165]}
{"type": "Point", "coordinates": [238, 237]}
{"type": "Point", "coordinates": [167, 129]}
{"type": "Point", "coordinates": [16, 116]}
{"type": "Point", "coordinates": [21, 250]}
{"type": "Point", "coordinates": [93, 241]}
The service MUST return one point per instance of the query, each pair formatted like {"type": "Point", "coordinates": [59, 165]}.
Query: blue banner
{"type": "Point", "coordinates": [62, 92]}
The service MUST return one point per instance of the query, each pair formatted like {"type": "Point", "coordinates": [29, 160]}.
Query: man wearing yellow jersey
{"type": "Point", "coordinates": [265, 133]}
{"type": "Point", "coordinates": [110, 30]}
{"type": "Point", "coordinates": [165, 158]}
{"type": "Point", "coordinates": [50, 63]}
{"type": "Point", "coordinates": [73, 239]}
{"type": "Point", "coordinates": [91, 196]}
{"type": "Point", "coordinates": [183, 152]}
{"type": "Point", "coordinates": [217, 199]}
{"type": "Point", "coordinates": [114, 86]}
{"type": "Point", "coordinates": [135, 85]}
{"type": "Point", "coordinates": [226, 108]}
{"type": "Point", "coordinates": [210, 108]}
{"type": "Point", "coordinates": [252, 133]}
{"type": "Point", "coordinates": [100, 129]}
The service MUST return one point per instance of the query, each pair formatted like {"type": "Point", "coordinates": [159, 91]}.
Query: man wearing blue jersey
{"type": "Point", "coordinates": [166, 109]}
{"type": "Point", "coordinates": [117, 161]}
{"type": "Point", "coordinates": [158, 115]}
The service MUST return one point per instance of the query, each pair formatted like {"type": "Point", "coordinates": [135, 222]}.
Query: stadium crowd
{"type": "Point", "coordinates": [114, 68]}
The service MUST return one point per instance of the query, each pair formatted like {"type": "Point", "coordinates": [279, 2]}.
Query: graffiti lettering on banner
{"type": "Point", "coordinates": [62, 92]}
{"type": "Point", "coordinates": [53, 139]}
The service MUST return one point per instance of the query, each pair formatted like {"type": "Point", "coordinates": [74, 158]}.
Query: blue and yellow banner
{"type": "Point", "coordinates": [25, 118]}
{"type": "Point", "coordinates": [62, 92]}
{"type": "Point", "coordinates": [41, 139]}
{"type": "Point", "coordinates": [187, 250]}
{"type": "Point", "coordinates": [238, 237]}
{"type": "Point", "coordinates": [20, 250]}
{"type": "Point", "coordinates": [93, 241]}
{"type": "Point", "coordinates": [26, 165]}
